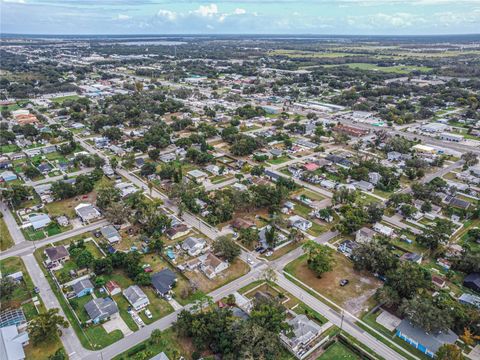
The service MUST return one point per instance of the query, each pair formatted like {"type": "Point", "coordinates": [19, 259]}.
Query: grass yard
{"type": "Point", "coordinates": [6, 240]}
{"type": "Point", "coordinates": [310, 194]}
{"type": "Point", "coordinates": [316, 229]}
{"type": "Point", "coordinates": [60, 100]}
{"type": "Point", "coordinates": [123, 305]}
{"type": "Point", "coordinates": [67, 207]}
{"type": "Point", "coordinates": [338, 351]}
{"type": "Point", "coordinates": [158, 306]}
{"type": "Point", "coordinates": [100, 338]}
{"type": "Point", "coordinates": [78, 306]}
{"type": "Point", "coordinates": [33, 235]}
{"type": "Point", "coordinates": [5, 149]}
{"type": "Point", "coordinates": [279, 160]}
{"type": "Point", "coordinates": [236, 269]}
{"type": "Point", "coordinates": [397, 69]}
{"type": "Point", "coordinates": [24, 290]}
{"type": "Point", "coordinates": [42, 351]}
{"type": "Point", "coordinates": [356, 297]}
{"type": "Point", "coordinates": [170, 344]}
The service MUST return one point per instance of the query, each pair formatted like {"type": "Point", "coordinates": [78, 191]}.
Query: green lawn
{"type": "Point", "coordinates": [78, 306]}
{"type": "Point", "coordinates": [5, 149]}
{"type": "Point", "coordinates": [397, 69]}
{"type": "Point", "coordinates": [169, 344]}
{"type": "Point", "coordinates": [24, 290]}
{"type": "Point", "coordinates": [60, 100]}
{"type": "Point", "coordinates": [123, 305]}
{"type": "Point", "coordinates": [6, 240]}
{"type": "Point", "coordinates": [338, 351]}
{"type": "Point", "coordinates": [279, 160]}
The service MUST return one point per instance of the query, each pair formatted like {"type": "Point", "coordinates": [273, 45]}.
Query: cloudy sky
{"type": "Point", "coordinates": [240, 17]}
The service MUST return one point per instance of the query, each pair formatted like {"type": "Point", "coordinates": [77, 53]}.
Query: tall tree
{"type": "Point", "coordinates": [46, 326]}
{"type": "Point", "coordinates": [319, 257]}
{"type": "Point", "coordinates": [449, 352]}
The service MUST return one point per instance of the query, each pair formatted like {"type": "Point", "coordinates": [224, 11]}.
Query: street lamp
{"type": "Point", "coordinates": [341, 322]}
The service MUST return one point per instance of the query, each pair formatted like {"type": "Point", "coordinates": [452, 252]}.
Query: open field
{"type": "Point", "coordinates": [6, 240]}
{"type": "Point", "coordinates": [356, 297]}
{"type": "Point", "coordinates": [397, 69]}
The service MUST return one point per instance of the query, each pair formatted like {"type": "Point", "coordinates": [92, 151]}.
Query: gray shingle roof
{"type": "Point", "coordinates": [101, 308]}
{"type": "Point", "coordinates": [163, 280]}
{"type": "Point", "coordinates": [431, 341]}
{"type": "Point", "coordinates": [81, 285]}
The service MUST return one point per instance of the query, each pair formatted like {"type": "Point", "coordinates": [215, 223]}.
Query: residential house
{"type": "Point", "coordinates": [214, 169]}
{"type": "Point", "coordinates": [469, 299]}
{"type": "Point", "coordinates": [304, 332]}
{"type": "Point", "coordinates": [423, 341]}
{"type": "Point", "coordinates": [363, 185]}
{"type": "Point", "coordinates": [240, 223]}
{"type": "Point", "coordinates": [243, 302]}
{"type": "Point", "coordinates": [197, 175]}
{"type": "Point", "coordinates": [161, 356]}
{"type": "Point", "coordinates": [374, 177]}
{"type": "Point", "coordinates": [412, 257]}
{"type": "Point", "coordinates": [113, 288]}
{"type": "Point", "coordinates": [472, 281]}
{"type": "Point", "coordinates": [126, 188]}
{"type": "Point", "coordinates": [39, 221]}
{"type": "Point", "coordinates": [459, 203]}
{"type": "Point", "coordinates": [136, 297]}
{"type": "Point", "coordinates": [211, 265]}
{"type": "Point", "coordinates": [299, 222]}
{"type": "Point", "coordinates": [12, 343]}
{"type": "Point", "coordinates": [111, 234]}
{"type": "Point", "coordinates": [194, 246]}
{"type": "Point", "coordinates": [273, 176]}
{"type": "Point", "coordinates": [311, 166]}
{"type": "Point", "coordinates": [100, 309]}
{"type": "Point", "coordinates": [82, 288]}
{"type": "Point", "coordinates": [163, 282]}
{"type": "Point", "coordinates": [87, 212]}
{"type": "Point", "coordinates": [347, 247]}
{"type": "Point", "coordinates": [56, 255]}
{"type": "Point", "coordinates": [177, 231]}
{"type": "Point", "coordinates": [8, 175]}
{"type": "Point", "coordinates": [62, 220]}
{"type": "Point", "coordinates": [364, 235]}
{"type": "Point", "coordinates": [16, 317]}
{"type": "Point", "coordinates": [44, 168]}
{"type": "Point", "coordinates": [383, 229]}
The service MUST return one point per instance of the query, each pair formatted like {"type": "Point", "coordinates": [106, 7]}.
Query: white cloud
{"type": "Point", "coordinates": [207, 10]}
{"type": "Point", "coordinates": [239, 11]}
{"type": "Point", "coordinates": [167, 14]}
{"type": "Point", "coordinates": [15, 1]}
{"type": "Point", "coordinates": [122, 17]}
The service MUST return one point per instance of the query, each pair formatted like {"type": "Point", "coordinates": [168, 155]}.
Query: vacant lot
{"type": "Point", "coordinates": [6, 240]}
{"type": "Point", "coordinates": [67, 207]}
{"type": "Point", "coordinates": [338, 351]}
{"type": "Point", "coordinates": [236, 269]}
{"type": "Point", "coordinates": [356, 297]}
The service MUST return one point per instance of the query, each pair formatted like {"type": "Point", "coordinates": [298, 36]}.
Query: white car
{"type": "Point", "coordinates": [250, 261]}
{"type": "Point", "coordinates": [148, 314]}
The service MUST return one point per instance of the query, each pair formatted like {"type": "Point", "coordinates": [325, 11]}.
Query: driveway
{"type": "Point", "coordinates": [117, 323]}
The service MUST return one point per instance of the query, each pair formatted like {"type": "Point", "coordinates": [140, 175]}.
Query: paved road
{"type": "Point", "coordinates": [347, 324]}
{"type": "Point", "coordinates": [69, 338]}
{"type": "Point", "coordinates": [72, 343]}
{"type": "Point", "coordinates": [12, 226]}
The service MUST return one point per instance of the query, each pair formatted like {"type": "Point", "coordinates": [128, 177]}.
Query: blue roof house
{"type": "Point", "coordinates": [422, 341]}
{"type": "Point", "coordinates": [39, 221]}
{"type": "Point", "coordinates": [82, 288]}
{"type": "Point", "coordinates": [8, 176]}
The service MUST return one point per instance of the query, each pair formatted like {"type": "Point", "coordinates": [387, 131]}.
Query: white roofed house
{"type": "Point", "coordinates": [87, 212]}
{"type": "Point", "coordinates": [12, 343]}
{"type": "Point", "coordinates": [111, 234]}
{"type": "Point", "coordinates": [383, 229]}
{"type": "Point", "coordinates": [126, 188]}
{"type": "Point", "coordinates": [299, 222]}
{"type": "Point", "coordinates": [211, 265]}
{"type": "Point", "coordinates": [136, 297]}
{"type": "Point", "coordinates": [364, 235]}
{"type": "Point", "coordinates": [194, 246]}
{"type": "Point", "coordinates": [305, 331]}
{"type": "Point", "coordinates": [197, 175]}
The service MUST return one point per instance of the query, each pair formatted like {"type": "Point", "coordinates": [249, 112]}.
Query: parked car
{"type": "Point", "coordinates": [344, 282]}
{"type": "Point", "coordinates": [148, 314]}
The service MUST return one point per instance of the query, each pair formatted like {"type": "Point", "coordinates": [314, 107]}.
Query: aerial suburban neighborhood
{"type": "Point", "coordinates": [237, 197]}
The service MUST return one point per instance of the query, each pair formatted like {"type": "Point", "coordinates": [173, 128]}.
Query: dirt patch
{"type": "Point", "coordinates": [355, 297]}
{"type": "Point", "coordinates": [235, 270]}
